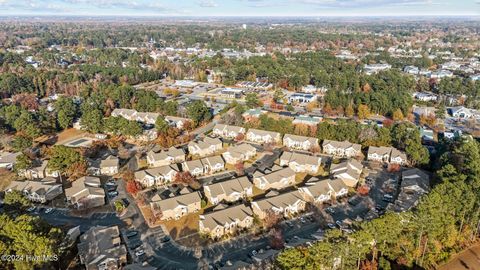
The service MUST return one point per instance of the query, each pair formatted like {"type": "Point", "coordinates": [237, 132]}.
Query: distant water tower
{"type": "Point", "coordinates": [244, 26]}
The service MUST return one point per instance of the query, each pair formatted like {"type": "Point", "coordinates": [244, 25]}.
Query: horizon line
{"type": "Point", "coordinates": [242, 16]}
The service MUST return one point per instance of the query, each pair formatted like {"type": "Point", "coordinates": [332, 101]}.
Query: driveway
{"type": "Point", "coordinates": [204, 129]}
{"type": "Point", "coordinates": [267, 161]}
{"type": "Point", "coordinates": [345, 210]}
{"type": "Point", "coordinates": [219, 177]}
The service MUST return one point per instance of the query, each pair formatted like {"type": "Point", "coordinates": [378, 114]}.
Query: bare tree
{"type": "Point", "coordinates": [271, 219]}
{"type": "Point", "coordinates": [276, 238]}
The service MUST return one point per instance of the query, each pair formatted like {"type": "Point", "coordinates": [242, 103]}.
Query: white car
{"type": "Point", "coordinates": [48, 210]}
{"type": "Point", "coordinates": [111, 183]}
{"type": "Point", "coordinates": [31, 209]}
{"type": "Point", "coordinates": [139, 253]}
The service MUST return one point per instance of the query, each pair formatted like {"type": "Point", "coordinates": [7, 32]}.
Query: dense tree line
{"type": "Point", "coordinates": [92, 109]}
{"type": "Point", "coordinates": [25, 235]}
{"type": "Point", "coordinates": [18, 77]}
{"type": "Point", "coordinates": [460, 86]}
{"type": "Point", "coordinates": [383, 93]}
{"type": "Point", "coordinates": [444, 222]}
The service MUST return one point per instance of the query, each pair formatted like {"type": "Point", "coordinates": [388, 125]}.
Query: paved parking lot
{"type": "Point", "coordinates": [241, 247]}
{"type": "Point", "coordinates": [383, 183]}
{"type": "Point", "coordinates": [346, 210]}
{"type": "Point", "coordinates": [267, 161]}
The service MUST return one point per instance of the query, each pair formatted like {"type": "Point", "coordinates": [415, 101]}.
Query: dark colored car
{"type": "Point", "coordinates": [165, 239]}
{"type": "Point", "coordinates": [135, 245]}
{"type": "Point", "coordinates": [131, 234]}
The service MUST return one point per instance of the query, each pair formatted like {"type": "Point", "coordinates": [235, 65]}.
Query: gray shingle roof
{"type": "Point", "coordinates": [230, 186]}
{"type": "Point", "coordinates": [172, 203]}
{"type": "Point", "coordinates": [228, 215]}
{"type": "Point", "coordinates": [280, 201]}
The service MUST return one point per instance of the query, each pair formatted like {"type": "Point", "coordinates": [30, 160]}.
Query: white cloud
{"type": "Point", "coordinates": [122, 4]}
{"type": "Point", "coordinates": [207, 3]}
{"type": "Point", "coordinates": [264, 3]}
{"type": "Point", "coordinates": [362, 3]}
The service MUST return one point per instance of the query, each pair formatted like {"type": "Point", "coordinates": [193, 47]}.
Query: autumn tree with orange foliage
{"type": "Point", "coordinates": [393, 168]}
{"type": "Point", "coordinates": [188, 126]}
{"type": "Point", "coordinates": [363, 190]}
{"type": "Point", "coordinates": [283, 83]}
{"type": "Point", "coordinates": [114, 142]}
{"type": "Point", "coordinates": [26, 101]}
{"type": "Point", "coordinates": [387, 122]}
{"type": "Point", "coordinates": [170, 138]}
{"type": "Point", "coordinates": [185, 178]}
{"type": "Point", "coordinates": [368, 265]}
{"type": "Point", "coordinates": [313, 131]}
{"type": "Point", "coordinates": [411, 117]}
{"type": "Point", "coordinates": [240, 137]}
{"type": "Point", "coordinates": [133, 187]}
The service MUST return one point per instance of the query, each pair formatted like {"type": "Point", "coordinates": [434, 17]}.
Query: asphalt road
{"type": "Point", "coordinates": [61, 217]}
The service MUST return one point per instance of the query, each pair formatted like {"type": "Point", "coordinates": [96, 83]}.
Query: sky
{"type": "Point", "coordinates": [241, 7]}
